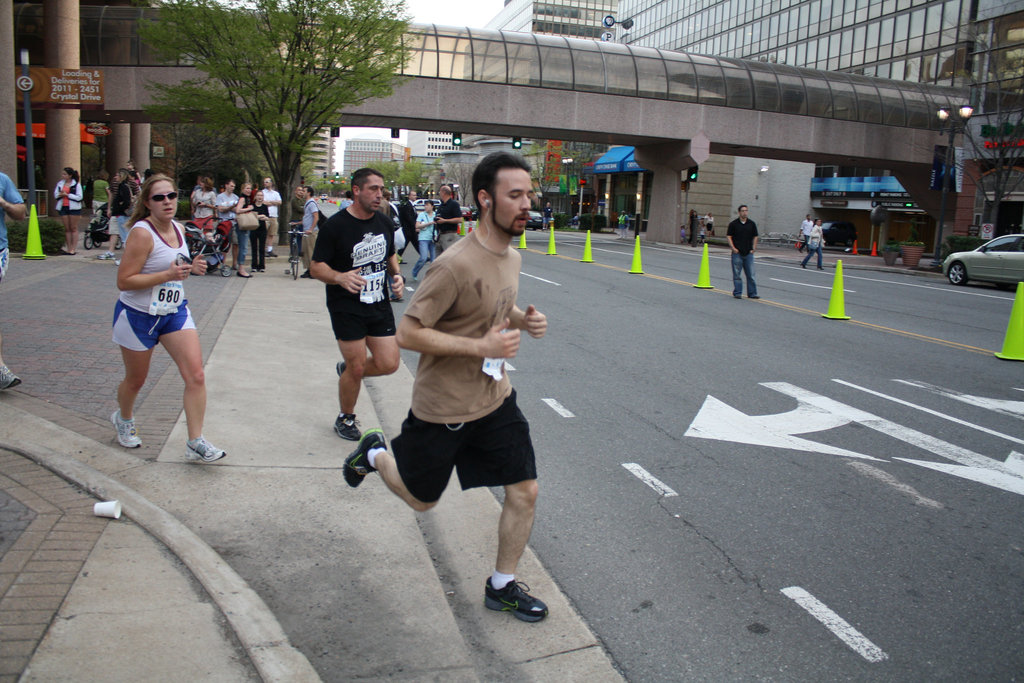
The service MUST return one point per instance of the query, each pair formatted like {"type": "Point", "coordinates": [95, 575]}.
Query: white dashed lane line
{"type": "Point", "coordinates": [558, 407]}
{"type": "Point", "coordinates": [836, 624]}
{"type": "Point", "coordinates": [646, 477]}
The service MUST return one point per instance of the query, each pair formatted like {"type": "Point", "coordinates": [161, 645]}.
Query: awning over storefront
{"type": "Point", "coordinates": [618, 160]}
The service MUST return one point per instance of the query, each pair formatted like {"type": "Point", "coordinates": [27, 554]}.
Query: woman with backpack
{"type": "Point", "coordinates": [68, 194]}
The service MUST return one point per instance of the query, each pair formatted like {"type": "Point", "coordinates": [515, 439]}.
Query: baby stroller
{"type": "Point", "coordinates": [98, 231]}
{"type": "Point", "coordinates": [210, 239]}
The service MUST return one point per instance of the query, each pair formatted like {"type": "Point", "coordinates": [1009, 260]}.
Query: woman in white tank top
{"type": "Point", "coordinates": [152, 309]}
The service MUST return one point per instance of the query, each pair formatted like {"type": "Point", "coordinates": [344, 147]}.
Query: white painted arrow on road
{"type": "Point", "coordinates": [814, 412]}
{"type": "Point", "coordinates": [720, 421]}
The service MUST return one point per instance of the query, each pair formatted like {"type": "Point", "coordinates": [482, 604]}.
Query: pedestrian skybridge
{"type": "Point", "coordinates": [675, 108]}
{"type": "Point", "coordinates": [579, 65]}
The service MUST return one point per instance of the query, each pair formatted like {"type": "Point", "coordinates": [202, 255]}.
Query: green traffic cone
{"type": "Point", "coordinates": [551, 242]}
{"type": "Point", "coordinates": [588, 257]}
{"type": "Point", "coordinates": [33, 242]}
{"type": "Point", "coordinates": [637, 268]}
{"type": "Point", "coordinates": [836, 305]}
{"type": "Point", "coordinates": [704, 278]}
{"type": "Point", "coordinates": [1013, 344]}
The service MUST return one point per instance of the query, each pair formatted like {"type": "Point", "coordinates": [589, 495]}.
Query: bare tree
{"type": "Point", "coordinates": [995, 138]}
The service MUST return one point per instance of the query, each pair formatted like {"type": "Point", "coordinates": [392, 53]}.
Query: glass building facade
{"type": "Point", "coordinates": [574, 18]}
{"type": "Point", "coordinates": [927, 41]}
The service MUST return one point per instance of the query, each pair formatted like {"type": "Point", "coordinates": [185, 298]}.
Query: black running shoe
{"type": "Point", "coordinates": [345, 427]}
{"type": "Point", "coordinates": [357, 465]}
{"type": "Point", "coordinates": [340, 367]}
{"type": "Point", "coordinates": [515, 599]}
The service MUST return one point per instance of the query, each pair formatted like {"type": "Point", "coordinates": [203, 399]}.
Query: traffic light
{"type": "Point", "coordinates": [395, 132]}
{"type": "Point", "coordinates": [517, 142]}
{"type": "Point", "coordinates": [691, 174]}
{"type": "Point", "coordinates": [583, 182]}
{"type": "Point", "coordinates": [335, 131]}
{"type": "Point", "coordinates": [457, 139]}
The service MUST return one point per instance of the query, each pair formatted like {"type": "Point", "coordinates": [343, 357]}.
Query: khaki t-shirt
{"type": "Point", "coordinates": [467, 291]}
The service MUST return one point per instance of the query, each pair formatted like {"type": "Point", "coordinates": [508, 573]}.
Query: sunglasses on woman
{"type": "Point", "coordinates": [161, 197]}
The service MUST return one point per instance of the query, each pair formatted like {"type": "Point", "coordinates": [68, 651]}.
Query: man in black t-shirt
{"type": "Point", "coordinates": [742, 236]}
{"type": "Point", "coordinates": [355, 257]}
{"type": "Point", "coordinates": [449, 218]}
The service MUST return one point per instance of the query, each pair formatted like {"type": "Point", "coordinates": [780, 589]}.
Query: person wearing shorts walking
{"type": "Point", "coordinates": [152, 308]}
{"type": "Point", "coordinates": [354, 256]}
{"type": "Point", "coordinates": [11, 204]}
{"type": "Point", "coordinates": [464, 322]}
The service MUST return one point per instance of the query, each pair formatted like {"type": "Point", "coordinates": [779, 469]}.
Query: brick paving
{"type": "Point", "coordinates": [55, 317]}
{"type": "Point", "coordinates": [47, 531]}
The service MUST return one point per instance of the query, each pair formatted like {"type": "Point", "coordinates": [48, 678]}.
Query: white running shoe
{"type": "Point", "coordinates": [202, 450]}
{"type": "Point", "coordinates": [8, 379]}
{"type": "Point", "coordinates": [126, 434]}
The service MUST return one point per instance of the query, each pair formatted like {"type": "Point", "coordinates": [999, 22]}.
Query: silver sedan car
{"type": "Point", "coordinates": [1000, 261]}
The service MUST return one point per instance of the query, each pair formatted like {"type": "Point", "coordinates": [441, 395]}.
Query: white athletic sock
{"type": "Point", "coordinates": [371, 456]}
{"type": "Point", "coordinates": [499, 580]}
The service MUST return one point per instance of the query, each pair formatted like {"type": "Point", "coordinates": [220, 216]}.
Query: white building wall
{"type": "Point", "coordinates": [778, 197]}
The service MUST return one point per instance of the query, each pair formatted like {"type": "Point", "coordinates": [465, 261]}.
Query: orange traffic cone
{"type": "Point", "coordinates": [854, 252]}
{"type": "Point", "coordinates": [874, 248]}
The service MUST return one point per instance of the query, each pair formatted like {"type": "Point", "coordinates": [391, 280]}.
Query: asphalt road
{"type": "Point", "coordinates": [743, 489]}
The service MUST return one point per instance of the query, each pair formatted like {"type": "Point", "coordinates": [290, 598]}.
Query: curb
{"type": "Point", "coordinates": [254, 624]}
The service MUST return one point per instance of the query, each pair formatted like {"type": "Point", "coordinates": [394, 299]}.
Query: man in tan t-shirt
{"type": "Point", "coordinates": [464, 322]}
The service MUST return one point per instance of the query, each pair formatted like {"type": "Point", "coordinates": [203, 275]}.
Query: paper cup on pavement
{"type": "Point", "coordinates": [109, 508]}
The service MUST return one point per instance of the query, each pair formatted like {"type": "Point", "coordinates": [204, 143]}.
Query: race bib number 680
{"type": "Point", "coordinates": [166, 298]}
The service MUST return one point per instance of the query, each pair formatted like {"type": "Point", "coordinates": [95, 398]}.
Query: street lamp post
{"type": "Point", "coordinates": [957, 121]}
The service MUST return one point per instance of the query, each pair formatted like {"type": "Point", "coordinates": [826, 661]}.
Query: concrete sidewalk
{"type": "Point", "coordinates": [264, 565]}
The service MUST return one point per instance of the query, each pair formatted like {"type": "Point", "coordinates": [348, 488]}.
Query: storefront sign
{"type": "Point", "coordinates": [834, 202]}
{"type": "Point", "coordinates": [98, 129]}
{"type": "Point", "coordinates": [66, 88]}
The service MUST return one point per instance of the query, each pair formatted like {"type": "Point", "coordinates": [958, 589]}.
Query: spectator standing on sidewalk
{"type": "Point", "coordinates": [449, 218]}
{"type": "Point", "coordinates": [425, 228]}
{"type": "Point", "coordinates": [68, 194]}
{"type": "Point", "coordinates": [805, 233]}
{"type": "Point", "coordinates": [814, 242]}
{"type": "Point", "coordinates": [310, 225]}
{"type": "Point", "coordinates": [226, 202]}
{"type": "Point", "coordinates": [742, 236]}
{"type": "Point", "coordinates": [11, 204]}
{"type": "Point", "coordinates": [120, 203]}
{"type": "Point", "coordinates": [152, 308]}
{"type": "Point", "coordinates": [258, 237]}
{"type": "Point", "coordinates": [464, 322]}
{"type": "Point", "coordinates": [272, 198]}
{"type": "Point", "coordinates": [407, 217]}
{"type": "Point", "coordinates": [709, 223]}
{"type": "Point", "coordinates": [100, 190]}
{"type": "Point", "coordinates": [354, 255]}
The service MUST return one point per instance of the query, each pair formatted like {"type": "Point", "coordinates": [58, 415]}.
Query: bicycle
{"type": "Point", "coordinates": [294, 252]}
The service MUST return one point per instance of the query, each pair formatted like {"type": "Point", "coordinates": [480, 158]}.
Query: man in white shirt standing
{"type": "Point", "coordinates": [805, 232]}
{"type": "Point", "coordinates": [272, 198]}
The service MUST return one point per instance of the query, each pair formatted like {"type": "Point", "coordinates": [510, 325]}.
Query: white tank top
{"type": "Point", "coordinates": [159, 259]}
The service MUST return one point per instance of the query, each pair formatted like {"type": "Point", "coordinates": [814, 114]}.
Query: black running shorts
{"type": "Point", "coordinates": [365, 320]}
{"type": "Point", "coordinates": [493, 451]}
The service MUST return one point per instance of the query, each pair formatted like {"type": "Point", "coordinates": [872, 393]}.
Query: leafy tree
{"type": "Point", "coordinates": [193, 149]}
{"type": "Point", "coordinates": [279, 69]}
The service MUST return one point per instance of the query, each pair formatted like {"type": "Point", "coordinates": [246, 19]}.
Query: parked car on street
{"type": "Point", "coordinates": [838, 233]}
{"type": "Point", "coordinates": [1000, 261]}
{"type": "Point", "coordinates": [535, 221]}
